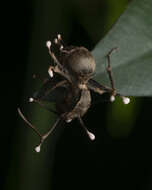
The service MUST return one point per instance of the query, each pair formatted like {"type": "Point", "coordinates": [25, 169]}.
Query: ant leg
{"type": "Point", "coordinates": [42, 105]}
{"type": "Point", "coordinates": [42, 137]}
{"type": "Point", "coordinates": [109, 71]}
{"type": "Point", "coordinates": [101, 89]}
{"type": "Point", "coordinates": [98, 88]}
{"type": "Point", "coordinates": [125, 100]}
{"type": "Point", "coordinates": [58, 68]}
{"type": "Point", "coordinates": [109, 68]}
{"type": "Point", "coordinates": [29, 124]}
{"type": "Point", "coordinates": [48, 45]}
{"type": "Point", "coordinates": [90, 135]}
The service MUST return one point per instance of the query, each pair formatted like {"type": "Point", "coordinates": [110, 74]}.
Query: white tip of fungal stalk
{"type": "Point", "coordinates": [126, 100]}
{"type": "Point", "coordinates": [55, 40]}
{"type": "Point", "coordinates": [91, 135]}
{"type": "Point", "coordinates": [50, 72]}
{"type": "Point", "coordinates": [112, 98]}
{"type": "Point", "coordinates": [68, 120]}
{"type": "Point", "coordinates": [31, 99]}
{"type": "Point", "coordinates": [48, 44]}
{"type": "Point", "coordinates": [38, 148]}
{"type": "Point", "coordinates": [61, 47]}
{"type": "Point", "coordinates": [59, 36]}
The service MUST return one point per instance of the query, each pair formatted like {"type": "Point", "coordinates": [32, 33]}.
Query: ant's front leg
{"type": "Point", "coordinates": [109, 68]}
{"type": "Point", "coordinates": [126, 100]}
{"type": "Point", "coordinates": [109, 71]}
{"type": "Point", "coordinates": [58, 122]}
{"type": "Point", "coordinates": [101, 89]}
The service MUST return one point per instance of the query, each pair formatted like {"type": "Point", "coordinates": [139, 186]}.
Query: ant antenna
{"type": "Point", "coordinates": [90, 135]}
{"type": "Point", "coordinates": [42, 137]}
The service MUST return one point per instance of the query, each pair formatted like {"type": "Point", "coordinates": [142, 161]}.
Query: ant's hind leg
{"type": "Point", "coordinates": [42, 137]}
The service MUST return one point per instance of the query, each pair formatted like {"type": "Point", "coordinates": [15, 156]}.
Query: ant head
{"type": "Point", "coordinates": [75, 63]}
{"type": "Point", "coordinates": [79, 62]}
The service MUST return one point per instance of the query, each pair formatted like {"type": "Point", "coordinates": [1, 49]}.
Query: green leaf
{"type": "Point", "coordinates": [132, 63]}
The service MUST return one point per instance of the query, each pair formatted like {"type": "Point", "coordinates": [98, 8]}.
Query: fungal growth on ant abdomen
{"type": "Point", "coordinates": [69, 85]}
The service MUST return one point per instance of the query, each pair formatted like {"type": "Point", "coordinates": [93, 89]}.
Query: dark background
{"type": "Point", "coordinates": [117, 159]}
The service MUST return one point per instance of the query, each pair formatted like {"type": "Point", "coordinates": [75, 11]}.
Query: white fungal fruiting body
{"type": "Point", "coordinates": [61, 47]}
{"type": "Point", "coordinates": [59, 36]}
{"type": "Point", "coordinates": [55, 40]}
{"type": "Point", "coordinates": [91, 135]}
{"type": "Point", "coordinates": [48, 44]}
{"type": "Point", "coordinates": [126, 100]}
{"type": "Point", "coordinates": [68, 120]}
{"type": "Point", "coordinates": [31, 99]}
{"type": "Point", "coordinates": [112, 98]}
{"type": "Point", "coordinates": [38, 148]}
{"type": "Point", "coordinates": [50, 72]}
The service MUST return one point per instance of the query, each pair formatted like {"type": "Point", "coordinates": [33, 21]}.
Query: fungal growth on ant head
{"type": "Point", "coordinates": [69, 85]}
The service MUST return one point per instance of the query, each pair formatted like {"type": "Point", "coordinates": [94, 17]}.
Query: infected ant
{"type": "Point", "coordinates": [70, 76]}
